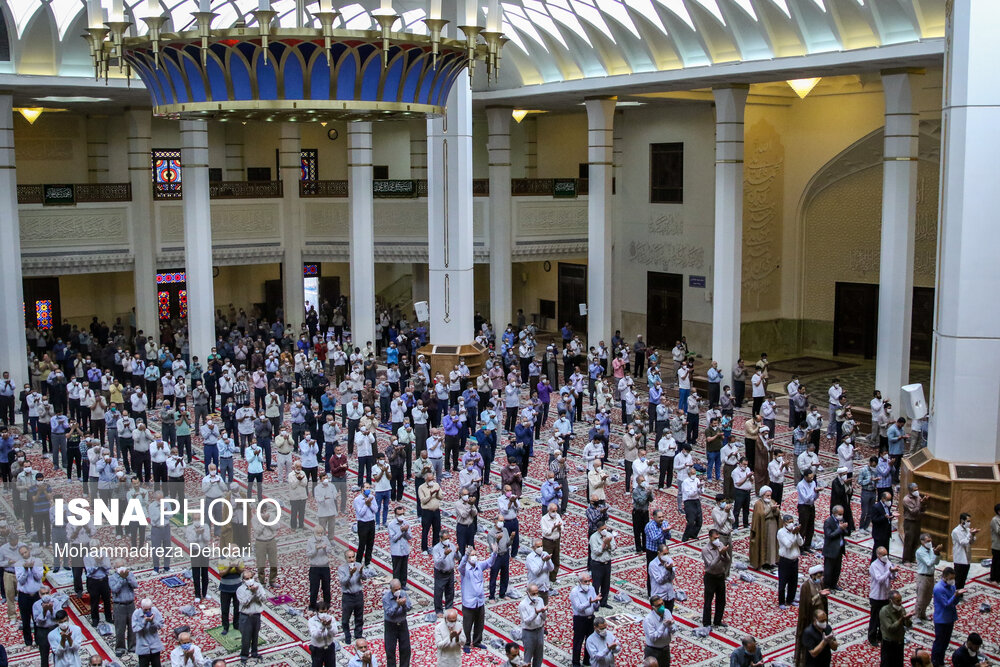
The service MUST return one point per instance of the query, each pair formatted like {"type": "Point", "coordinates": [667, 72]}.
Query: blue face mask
{"type": "Point", "coordinates": [368, 492]}
{"type": "Point", "coordinates": [186, 647]}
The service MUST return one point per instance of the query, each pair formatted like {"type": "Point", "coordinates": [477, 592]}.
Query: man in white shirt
{"type": "Point", "coordinates": [835, 393]}
{"type": "Point", "coordinates": [186, 654]}
{"type": "Point", "coordinates": [757, 391]}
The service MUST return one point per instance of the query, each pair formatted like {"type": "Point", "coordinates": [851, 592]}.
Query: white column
{"type": "Point", "coordinates": [600, 245]}
{"type": "Point", "coordinates": [966, 370]}
{"type": "Point", "coordinates": [362, 222]}
{"type": "Point", "coordinates": [13, 358]}
{"type": "Point", "coordinates": [498, 119]}
{"type": "Point", "coordinates": [289, 167]}
{"type": "Point", "coordinates": [619, 287]}
{"type": "Point", "coordinates": [198, 237]}
{"type": "Point", "coordinates": [728, 266]}
{"type": "Point", "coordinates": [140, 139]}
{"type": "Point", "coordinates": [234, 155]}
{"type": "Point", "coordinates": [449, 219]}
{"type": "Point", "coordinates": [97, 149]}
{"type": "Point", "coordinates": [418, 150]}
{"type": "Point", "coordinates": [899, 223]}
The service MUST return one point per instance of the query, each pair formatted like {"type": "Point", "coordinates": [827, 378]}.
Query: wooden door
{"type": "Point", "coordinates": [664, 308]}
{"type": "Point", "coordinates": [855, 319]}
{"type": "Point", "coordinates": [572, 292]}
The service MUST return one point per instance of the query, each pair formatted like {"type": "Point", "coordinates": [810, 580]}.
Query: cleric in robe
{"type": "Point", "coordinates": [764, 531]}
{"type": "Point", "coordinates": [812, 596]}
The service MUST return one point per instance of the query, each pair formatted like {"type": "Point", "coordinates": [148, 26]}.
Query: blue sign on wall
{"type": "Point", "coordinates": [696, 281]}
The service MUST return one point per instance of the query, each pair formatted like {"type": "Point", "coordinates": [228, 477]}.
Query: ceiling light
{"type": "Point", "coordinates": [81, 98]}
{"type": "Point", "coordinates": [803, 87]}
{"type": "Point", "coordinates": [31, 114]}
{"type": "Point", "coordinates": [519, 114]}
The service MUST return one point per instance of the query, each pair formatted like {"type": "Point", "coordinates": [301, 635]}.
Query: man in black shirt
{"type": "Point", "coordinates": [968, 653]}
{"type": "Point", "coordinates": [819, 642]}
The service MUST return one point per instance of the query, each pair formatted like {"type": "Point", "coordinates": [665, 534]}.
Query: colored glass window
{"type": "Point", "coordinates": [182, 299]}
{"type": "Point", "coordinates": [171, 277]}
{"type": "Point", "coordinates": [163, 299]}
{"type": "Point", "coordinates": [310, 164]}
{"type": "Point", "coordinates": [43, 313]}
{"type": "Point", "coordinates": [310, 270]}
{"type": "Point", "coordinates": [166, 173]}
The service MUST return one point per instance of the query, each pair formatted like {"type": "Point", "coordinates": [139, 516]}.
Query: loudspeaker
{"type": "Point", "coordinates": [914, 403]}
{"type": "Point", "coordinates": [422, 311]}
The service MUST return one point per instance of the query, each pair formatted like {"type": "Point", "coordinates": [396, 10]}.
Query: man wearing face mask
{"type": "Point", "coordinates": [928, 556]}
{"type": "Point", "coordinates": [364, 512]}
{"type": "Point", "coordinates": [715, 555]}
{"type": "Point", "coordinates": [473, 600]}
{"type": "Point", "coordinates": [429, 496]}
{"type": "Point", "coordinates": [444, 554]}
{"type": "Point", "coordinates": [532, 612]}
{"type": "Point", "coordinates": [352, 592]}
{"type": "Point", "coordinates": [323, 638]}
{"type": "Point", "coordinates": [44, 613]}
{"type": "Point", "coordinates": [186, 653]}
{"type": "Point", "coordinates": [252, 596]}
{"type": "Point", "coordinates": [834, 545]}
{"type": "Point", "coordinates": [146, 623]}
{"type": "Point", "coordinates": [946, 598]}
{"type": "Point", "coordinates": [789, 543]}
{"type": "Point", "coordinates": [540, 568]}
{"type": "Point", "coordinates": [396, 604]}
{"type": "Point", "coordinates": [65, 641]}
{"type": "Point", "coordinates": [498, 539]}
{"type": "Point", "coordinates": [812, 598]}
{"type": "Point", "coordinates": [967, 654]}
{"type": "Point", "coordinates": [962, 538]}
{"type": "Point", "coordinates": [913, 510]}
{"type": "Point", "coordinates": [449, 637]}
{"type": "Point", "coordinates": [602, 645]}
{"type": "Point", "coordinates": [602, 546]}
{"type": "Point", "coordinates": [893, 621]}
{"type": "Point", "coordinates": [658, 628]}
{"type": "Point", "coordinates": [818, 642]}
{"type": "Point", "coordinates": [399, 545]}
{"type": "Point", "coordinates": [691, 495]}
{"type": "Point", "coordinates": [882, 574]}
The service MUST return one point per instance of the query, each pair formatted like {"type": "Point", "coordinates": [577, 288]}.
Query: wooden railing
{"type": "Point", "coordinates": [544, 187]}
{"type": "Point", "coordinates": [245, 189]}
{"type": "Point", "coordinates": [323, 189]}
{"type": "Point", "coordinates": [73, 193]}
{"type": "Point", "coordinates": [387, 189]}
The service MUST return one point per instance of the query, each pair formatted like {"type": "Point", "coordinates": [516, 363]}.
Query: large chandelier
{"type": "Point", "coordinates": [297, 74]}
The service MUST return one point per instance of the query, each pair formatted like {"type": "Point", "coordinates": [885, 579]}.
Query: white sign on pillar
{"type": "Point", "coordinates": [12, 342]}
{"type": "Point", "coordinates": [449, 219]}
{"type": "Point", "coordinates": [196, 205]}
{"type": "Point", "coordinates": [600, 242]}
{"type": "Point", "coordinates": [362, 232]}
{"type": "Point", "coordinates": [498, 119]}
{"type": "Point", "coordinates": [727, 283]}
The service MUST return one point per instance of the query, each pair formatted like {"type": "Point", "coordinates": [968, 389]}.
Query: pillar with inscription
{"type": "Point", "coordinates": [290, 167]}
{"type": "Point", "coordinates": [498, 119]}
{"type": "Point", "coordinates": [450, 233]}
{"type": "Point", "coordinates": [13, 356]}
{"type": "Point", "coordinates": [140, 140]}
{"type": "Point", "coordinates": [727, 282]}
{"type": "Point", "coordinates": [958, 471]}
{"type": "Point", "coordinates": [600, 241]}
{"type": "Point", "coordinates": [362, 232]}
{"type": "Point", "coordinates": [198, 238]}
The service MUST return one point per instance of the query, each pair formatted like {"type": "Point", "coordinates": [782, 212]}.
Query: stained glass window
{"type": "Point", "coordinates": [166, 173]}
{"type": "Point", "coordinates": [43, 314]}
{"type": "Point", "coordinates": [171, 277]}
{"type": "Point", "coordinates": [182, 299]}
{"type": "Point", "coordinates": [163, 299]}
{"type": "Point", "coordinates": [310, 164]}
{"type": "Point", "coordinates": [310, 269]}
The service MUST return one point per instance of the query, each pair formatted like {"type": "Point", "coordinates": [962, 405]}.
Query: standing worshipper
{"type": "Point", "coordinates": [691, 496]}
{"type": "Point", "coordinates": [449, 637]}
{"type": "Point", "coordinates": [715, 555]}
{"type": "Point", "coordinates": [658, 628]}
{"type": "Point", "coordinates": [722, 521]}
{"type": "Point", "coordinates": [789, 543]}
{"type": "Point", "coordinates": [743, 478]}
{"type": "Point", "coordinates": [808, 493]}
{"type": "Point", "coordinates": [532, 612]}
{"type": "Point", "coordinates": [602, 546]}
{"type": "Point", "coordinates": [322, 638]}
{"type": "Point", "coordinates": [928, 556]}
{"type": "Point", "coordinates": [882, 573]}
{"type": "Point", "coordinates": [812, 598]}
{"type": "Point", "coordinates": [764, 532]}
{"type": "Point", "coordinates": [819, 642]}
{"type": "Point", "coordinates": [602, 645]}
{"type": "Point", "coordinates": [364, 512]}
{"type": "Point", "coordinates": [882, 516]}
{"type": "Point", "coordinates": [893, 621]}
{"type": "Point", "coordinates": [962, 538]}
{"type": "Point", "coordinates": [352, 596]}
{"type": "Point", "coordinates": [396, 604]}
{"type": "Point", "coordinates": [913, 510]}
{"type": "Point", "coordinates": [146, 623]}
{"type": "Point", "coordinates": [946, 598]}
{"type": "Point", "coordinates": [841, 493]}
{"type": "Point", "coordinates": [252, 596]}
{"type": "Point", "coordinates": [399, 546]}
{"type": "Point", "coordinates": [473, 598]}
{"type": "Point", "coordinates": [444, 553]}
{"type": "Point", "coordinates": [834, 545]}
{"type": "Point", "coordinates": [584, 601]}
{"type": "Point", "coordinates": [65, 641]}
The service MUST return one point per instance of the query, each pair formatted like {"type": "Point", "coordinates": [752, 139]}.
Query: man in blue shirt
{"type": "Point", "coordinates": [897, 445]}
{"type": "Point", "coordinates": [473, 597]}
{"type": "Point", "coordinates": [945, 614]}
{"type": "Point", "coordinates": [714, 384]}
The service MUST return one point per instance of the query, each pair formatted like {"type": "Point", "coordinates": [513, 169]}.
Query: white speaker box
{"type": "Point", "coordinates": [914, 404]}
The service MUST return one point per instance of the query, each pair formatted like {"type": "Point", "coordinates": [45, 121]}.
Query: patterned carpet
{"type": "Point", "coordinates": [751, 606]}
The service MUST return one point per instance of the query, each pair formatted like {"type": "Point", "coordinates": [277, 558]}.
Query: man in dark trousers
{"type": "Point", "coordinates": [882, 516]}
{"type": "Point", "coordinates": [833, 547]}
